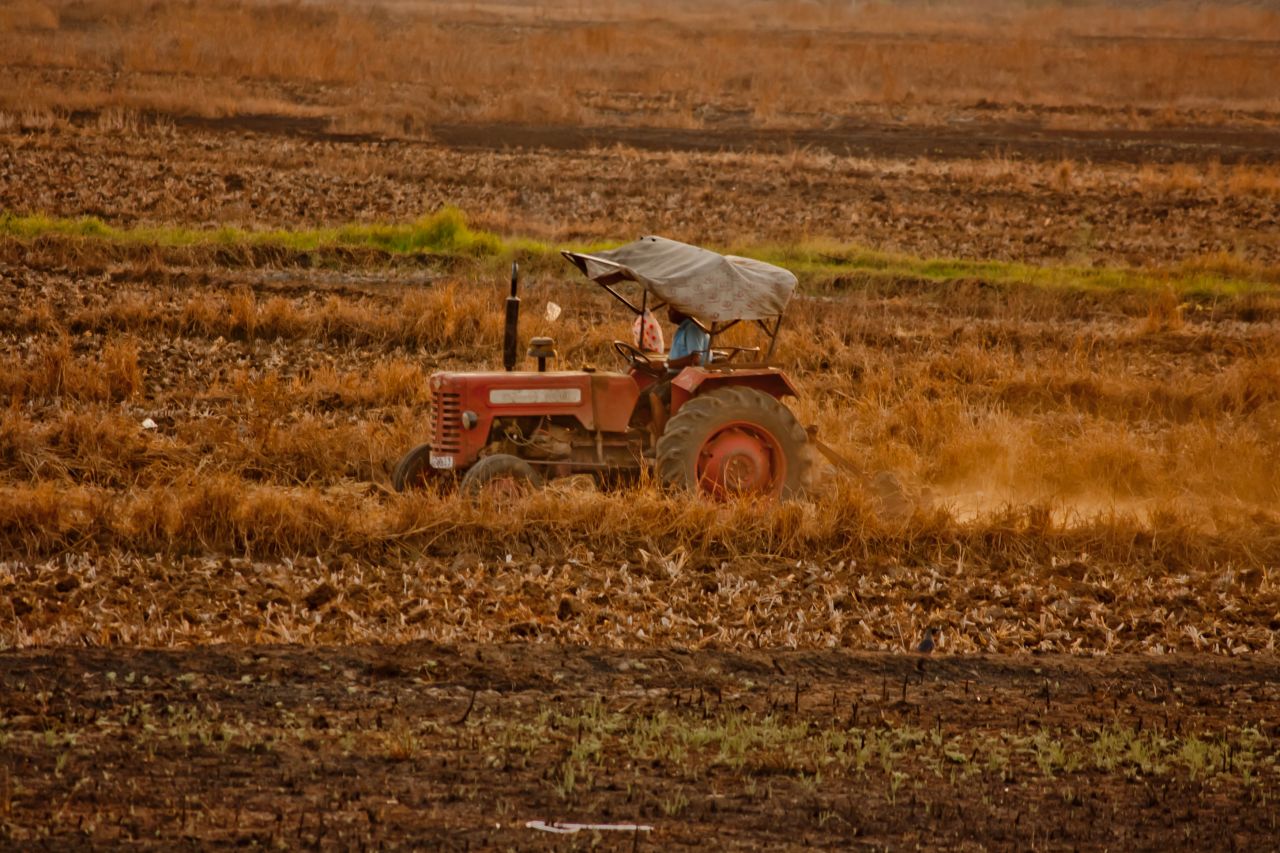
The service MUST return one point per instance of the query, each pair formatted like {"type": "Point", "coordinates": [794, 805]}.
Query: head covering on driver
{"type": "Point", "coordinates": [691, 344]}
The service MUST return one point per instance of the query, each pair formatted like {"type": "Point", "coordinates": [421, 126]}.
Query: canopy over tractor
{"type": "Point", "coordinates": [713, 287]}
{"type": "Point", "coordinates": [717, 427]}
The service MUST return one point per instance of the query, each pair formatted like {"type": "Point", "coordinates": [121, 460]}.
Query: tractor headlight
{"type": "Point", "coordinates": [470, 419]}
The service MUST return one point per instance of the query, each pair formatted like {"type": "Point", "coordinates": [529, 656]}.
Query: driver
{"type": "Point", "coordinates": [691, 345]}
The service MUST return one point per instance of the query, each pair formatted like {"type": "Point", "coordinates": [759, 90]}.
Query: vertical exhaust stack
{"type": "Point", "coordinates": [511, 333]}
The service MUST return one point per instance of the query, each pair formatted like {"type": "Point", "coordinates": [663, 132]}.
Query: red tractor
{"type": "Point", "coordinates": [724, 432]}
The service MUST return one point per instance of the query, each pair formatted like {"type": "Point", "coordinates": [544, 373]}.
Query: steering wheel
{"type": "Point", "coordinates": [639, 359]}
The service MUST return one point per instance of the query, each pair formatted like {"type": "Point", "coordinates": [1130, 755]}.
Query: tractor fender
{"type": "Point", "coordinates": [693, 381]}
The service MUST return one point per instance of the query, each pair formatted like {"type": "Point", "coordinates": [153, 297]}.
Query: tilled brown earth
{"type": "Point", "coordinates": [196, 444]}
{"type": "Point", "coordinates": [990, 206]}
{"type": "Point", "coordinates": [461, 747]}
{"type": "Point", "coordinates": [965, 137]}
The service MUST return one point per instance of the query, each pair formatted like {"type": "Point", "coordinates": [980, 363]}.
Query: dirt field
{"type": "Point", "coordinates": [459, 747]}
{"type": "Point", "coordinates": [1043, 326]}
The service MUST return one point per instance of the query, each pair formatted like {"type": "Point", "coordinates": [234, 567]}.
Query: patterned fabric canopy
{"type": "Point", "coordinates": [701, 283]}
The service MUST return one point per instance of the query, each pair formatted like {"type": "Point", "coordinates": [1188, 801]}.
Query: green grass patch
{"type": "Point", "coordinates": [1215, 276]}
{"type": "Point", "coordinates": [445, 233]}
{"type": "Point", "coordinates": [820, 265]}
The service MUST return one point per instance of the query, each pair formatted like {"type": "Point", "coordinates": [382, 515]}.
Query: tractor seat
{"type": "Point", "coordinates": [542, 349]}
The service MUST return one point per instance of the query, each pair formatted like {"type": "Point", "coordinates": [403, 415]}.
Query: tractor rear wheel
{"type": "Point", "coordinates": [414, 470]}
{"type": "Point", "coordinates": [501, 476]}
{"type": "Point", "coordinates": [735, 441]}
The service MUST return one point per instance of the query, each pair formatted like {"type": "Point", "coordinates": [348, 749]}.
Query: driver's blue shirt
{"type": "Point", "coordinates": [690, 338]}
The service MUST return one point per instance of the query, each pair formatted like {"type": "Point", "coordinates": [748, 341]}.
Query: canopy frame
{"type": "Point", "coordinates": [700, 282]}
{"type": "Point", "coordinates": [769, 326]}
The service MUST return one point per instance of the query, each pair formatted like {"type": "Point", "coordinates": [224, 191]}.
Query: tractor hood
{"type": "Point", "coordinates": [699, 282]}
{"type": "Point", "coordinates": [599, 400]}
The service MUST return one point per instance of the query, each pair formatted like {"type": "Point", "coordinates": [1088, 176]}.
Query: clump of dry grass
{"type": "Point", "coordinates": [1254, 180]}
{"type": "Point", "coordinates": [54, 371]}
{"type": "Point", "coordinates": [1165, 315]}
{"type": "Point", "coordinates": [437, 318]}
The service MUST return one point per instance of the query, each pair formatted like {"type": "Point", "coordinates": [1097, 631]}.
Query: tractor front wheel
{"type": "Point", "coordinates": [735, 441]}
{"type": "Point", "coordinates": [500, 476]}
{"type": "Point", "coordinates": [414, 470]}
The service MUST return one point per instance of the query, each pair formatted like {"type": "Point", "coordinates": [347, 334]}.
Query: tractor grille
{"type": "Point", "coordinates": [446, 422]}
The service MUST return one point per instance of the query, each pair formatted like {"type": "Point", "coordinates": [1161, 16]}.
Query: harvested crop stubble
{"type": "Point", "coordinates": [628, 570]}
{"type": "Point", "coordinates": [396, 68]}
{"type": "Point", "coordinates": [969, 391]}
{"type": "Point", "coordinates": [1084, 465]}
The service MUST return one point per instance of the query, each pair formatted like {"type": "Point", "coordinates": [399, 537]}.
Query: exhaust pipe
{"type": "Point", "coordinates": [510, 334]}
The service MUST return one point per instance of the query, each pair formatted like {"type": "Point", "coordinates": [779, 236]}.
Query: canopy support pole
{"type": "Point", "coordinates": [773, 340]}
{"type": "Point", "coordinates": [624, 300]}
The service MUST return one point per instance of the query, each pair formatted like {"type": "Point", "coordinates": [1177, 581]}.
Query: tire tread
{"type": "Point", "coordinates": [699, 414]}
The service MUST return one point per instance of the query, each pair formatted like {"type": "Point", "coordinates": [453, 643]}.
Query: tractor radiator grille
{"type": "Point", "coordinates": [446, 422]}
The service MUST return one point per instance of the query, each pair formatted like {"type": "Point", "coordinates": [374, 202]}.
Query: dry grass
{"type": "Point", "coordinates": [1082, 468]}
{"type": "Point", "coordinates": [739, 580]}
{"type": "Point", "coordinates": [1081, 477]}
{"type": "Point", "coordinates": [774, 64]}
{"type": "Point", "coordinates": [53, 371]}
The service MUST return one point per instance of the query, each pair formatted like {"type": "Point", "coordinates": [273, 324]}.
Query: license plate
{"type": "Point", "coordinates": [441, 461]}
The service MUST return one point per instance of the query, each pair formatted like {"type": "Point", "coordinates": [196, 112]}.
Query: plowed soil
{"type": "Point", "coordinates": [220, 626]}
{"type": "Point", "coordinates": [1025, 203]}
{"type": "Point", "coordinates": [975, 138]}
{"type": "Point", "coordinates": [461, 747]}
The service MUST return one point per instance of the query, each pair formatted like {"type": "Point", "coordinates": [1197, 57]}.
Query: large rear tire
{"type": "Point", "coordinates": [735, 441]}
{"type": "Point", "coordinates": [500, 476]}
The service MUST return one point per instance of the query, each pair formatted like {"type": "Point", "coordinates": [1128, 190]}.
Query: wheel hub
{"type": "Point", "coordinates": [740, 459]}
{"type": "Point", "coordinates": [505, 489]}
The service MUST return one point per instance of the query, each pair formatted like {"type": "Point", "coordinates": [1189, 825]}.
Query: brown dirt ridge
{"type": "Point", "coordinates": [972, 139]}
